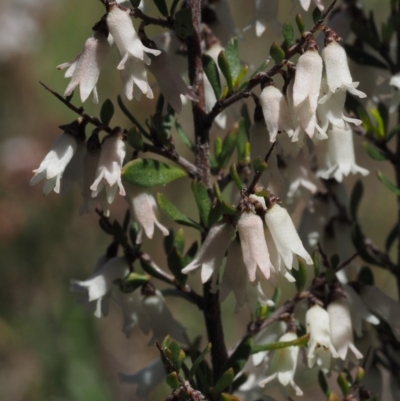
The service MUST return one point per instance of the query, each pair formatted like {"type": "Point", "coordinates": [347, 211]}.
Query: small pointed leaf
{"type": "Point", "coordinates": [361, 57]}
{"type": "Point", "coordinates": [106, 112]}
{"type": "Point", "coordinates": [240, 356]}
{"type": "Point", "coordinates": [133, 282]}
{"type": "Point", "coordinates": [162, 7]}
{"type": "Point", "coordinates": [199, 360]}
{"type": "Point", "coordinates": [224, 381]}
{"type": "Point", "coordinates": [232, 56]}
{"type": "Point", "coordinates": [277, 53]}
{"type": "Point", "coordinates": [388, 184]}
{"type": "Point", "coordinates": [355, 198]}
{"type": "Point", "coordinates": [172, 380]}
{"type": "Point", "coordinates": [300, 24]}
{"type": "Point", "coordinates": [298, 342]}
{"type": "Point", "coordinates": [135, 139]}
{"type": "Point", "coordinates": [211, 70]}
{"type": "Point", "coordinates": [225, 69]}
{"type": "Point", "coordinates": [202, 200]}
{"type": "Point", "coordinates": [288, 33]}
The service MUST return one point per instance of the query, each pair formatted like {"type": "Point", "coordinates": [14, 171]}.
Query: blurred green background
{"type": "Point", "coordinates": [50, 347]}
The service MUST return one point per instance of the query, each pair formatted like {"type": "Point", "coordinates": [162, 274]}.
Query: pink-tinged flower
{"type": "Point", "coordinates": [283, 365]}
{"type": "Point", "coordinates": [320, 346]}
{"type": "Point", "coordinates": [254, 247]}
{"type": "Point", "coordinates": [99, 285]}
{"type": "Point", "coordinates": [52, 167]}
{"type": "Point", "coordinates": [342, 329]}
{"type": "Point", "coordinates": [129, 45]}
{"type": "Point", "coordinates": [276, 112]}
{"type": "Point", "coordinates": [337, 71]}
{"type": "Point", "coordinates": [172, 86]}
{"type": "Point", "coordinates": [134, 80]}
{"type": "Point", "coordinates": [85, 69]}
{"type": "Point", "coordinates": [286, 239]}
{"type": "Point", "coordinates": [340, 159]}
{"type": "Point", "coordinates": [89, 169]}
{"type": "Point", "coordinates": [108, 174]}
{"type": "Point", "coordinates": [212, 252]}
{"type": "Point", "coordinates": [145, 211]}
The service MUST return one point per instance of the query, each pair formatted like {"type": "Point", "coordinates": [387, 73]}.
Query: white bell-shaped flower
{"type": "Point", "coordinates": [212, 252]}
{"type": "Point", "coordinates": [254, 247]}
{"type": "Point", "coordinates": [320, 346]}
{"type": "Point", "coordinates": [127, 40]}
{"type": "Point", "coordinates": [134, 80]}
{"type": "Point", "coordinates": [74, 169]}
{"type": "Point", "coordinates": [276, 112]}
{"type": "Point", "coordinates": [85, 69]}
{"type": "Point", "coordinates": [108, 174]}
{"type": "Point", "coordinates": [286, 238]}
{"type": "Point", "coordinates": [283, 365]}
{"type": "Point", "coordinates": [144, 210]}
{"type": "Point", "coordinates": [383, 306]}
{"type": "Point", "coordinates": [342, 329]}
{"type": "Point", "coordinates": [172, 86]}
{"type": "Point", "coordinates": [340, 159]}
{"type": "Point", "coordinates": [89, 170]}
{"type": "Point", "coordinates": [99, 285]}
{"type": "Point", "coordinates": [337, 70]}
{"type": "Point", "coordinates": [52, 167]}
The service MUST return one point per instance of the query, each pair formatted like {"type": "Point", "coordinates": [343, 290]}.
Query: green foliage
{"type": "Point", "coordinates": [211, 70]}
{"type": "Point", "coordinates": [199, 360]}
{"type": "Point", "coordinates": [259, 165]}
{"type": "Point", "coordinates": [355, 198]}
{"type": "Point", "coordinates": [316, 14]}
{"type": "Point", "coordinates": [235, 176]}
{"type": "Point", "coordinates": [373, 152]}
{"type": "Point", "coordinates": [300, 275]}
{"type": "Point", "coordinates": [240, 356]}
{"type": "Point", "coordinates": [148, 173]}
{"type": "Point", "coordinates": [184, 137]}
{"type": "Point", "coordinates": [225, 69]}
{"type": "Point", "coordinates": [298, 342]}
{"type": "Point", "coordinates": [172, 380]}
{"type": "Point", "coordinates": [300, 24]}
{"type": "Point", "coordinates": [106, 112]}
{"type": "Point", "coordinates": [288, 34]}
{"type": "Point", "coordinates": [366, 276]}
{"type": "Point", "coordinates": [228, 147]}
{"type": "Point", "coordinates": [202, 200]}
{"type": "Point", "coordinates": [162, 7]}
{"type": "Point", "coordinates": [277, 53]}
{"type": "Point", "coordinates": [135, 139]}
{"type": "Point", "coordinates": [361, 57]}
{"type": "Point", "coordinates": [224, 381]}
{"type": "Point", "coordinates": [183, 23]}
{"type": "Point", "coordinates": [388, 184]}
{"type": "Point", "coordinates": [233, 59]}
{"type": "Point", "coordinates": [133, 282]}
{"type": "Point", "coordinates": [323, 384]}
{"type": "Point", "coordinates": [343, 383]}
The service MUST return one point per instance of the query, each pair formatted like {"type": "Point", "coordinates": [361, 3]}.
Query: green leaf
{"type": "Point", "coordinates": [202, 200]}
{"type": "Point", "coordinates": [384, 113]}
{"type": "Point", "coordinates": [119, 233]}
{"type": "Point", "coordinates": [224, 381]}
{"type": "Point", "coordinates": [177, 354]}
{"type": "Point", "coordinates": [217, 147]}
{"type": "Point", "coordinates": [288, 34]}
{"type": "Point", "coordinates": [241, 379]}
{"type": "Point", "coordinates": [199, 360]}
{"type": "Point", "coordinates": [162, 7]}
{"type": "Point", "coordinates": [106, 112]}
{"type": "Point", "coordinates": [355, 198]}
{"type": "Point", "coordinates": [343, 383]}
{"type": "Point", "coordinates": [176, 263]}
{"type": "Point", "coordinates": [105, 225]}
{"type": "Point", "coordinates": [232, 56]}
{"type": "Point", "coordinates": [135, 3]}
{"type": "Point", "coordinates": [316, 14]}
{"type": "Point", "coordinates": [152, 270]}
{"type": "Point", "coordinates": [242, 140]}
{"type": "Point", "coordinates": [133, 282]}
{"type": "Point", "coordinates": [133, 232]}
{"type": "Point", "coordinates": [393, 132]}
{"type": "Point", "coordinates": [231, 397]}
{"type": "Point", "coordinates": [183, 137]}
{"type": "Point", "coordinates": [162, 124]}
{"type": "Point", "coordinates": [380, 126]}
{"type": "Point", "coordinates": [300, 275]}
{"type": "Point", "coordinates": [366, 33]}
{"type": "Point", "coordinates": [172, 380]}
{"type": "Point", "coordinates": [183, 25]}
{"type": "Point", "coordinates": [135, 139]}
{"type": "Point", "coordinates": [149, 173]}
{"type": "Point", "coordinates": [259, 165]}
{"type": "Point", "coordinates": [179, 240]}
{"type": "Point", "coordinates": [226, 208]}
{"type": "Point", "coordinates": [192, 251]}
{"type": "Point", "coordinates": [228, 147]}
{"type": "Point", "coordinates": [215, 214]}
{"type": "Point", "coordinates": [211, 70]}
{"type": "Point", "coordinates": [361, 57]}
{"type": "Point", "coordinates": [323, 384]}
{"type": "Point", "coordinates": [391, 238]}
{"type": "Point", "coordinates": [225, 69]}
{"type": "Point", "coordinates": [240, 76]}
{"type": "Point", "coordinates": [235, 176]}
{"type": "Point", "coordinates": [277, 53]}
{"type": "Point", "coordinates": [131, 117]}
{"type": "Point", "coordinates": [317, 262]}
{"type": "Point", "coordinates": [373, 152]}
{"type": "Point", "coordinates": [358, 239]}
{"type": "Point", "coordinates": [173, 7]}
{"type": "Point", "coordinates": [298, 342]}
{"type": "Point", "coordinates": [366, 276]}
{"type": "Point", "coordinates": [388, 184]}
{"type": "Point", "coordinates": [174, 213]}
{"type": "Point", "coordinates": [240, 356]}
{"type": "Point", "coordinates": [300, 24]}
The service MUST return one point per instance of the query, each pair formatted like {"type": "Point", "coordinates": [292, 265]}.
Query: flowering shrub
{"type": "Point", "coordinates": [294, 152]}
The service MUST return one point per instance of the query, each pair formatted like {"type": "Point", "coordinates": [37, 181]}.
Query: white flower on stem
{"type": "Point", "coordinates": [144, 210]}
{"type": "Point", "coordinates": [320, 346]}
{"type": "Point", "coordinates": [337, 71]}
{"type": "Point", "coordinates": [160, 319]}
{"type": "Point", "coordinates": [395, 99]}
{"type": "Point", "coordinates": [73, 171]}
{"type": "Point", "coordinates": [99, 285]}
{"type": "Point", "coordinates": [146, 378]}
{"type": "Point", "coordinates": [383, 306]}
{"type": "Point", "coordinates": [127, 40]}
{"type": "Point", "coordinates": [52, 167]}
{"type": "Point", "coordinates": [286, 238]}
{"type": "Point", "coordinates": [340, 159]}
{"type": "Point", "coordinates": [283, 364]}
{"type": "Point", "coordinates": [172, 86]}
{"type": "Point", "coordinates": [212, 252]}
{"type": "Point", "coordinates": [134, 80]}
{"type": "Point", "coordinates": [358, 310]}
{"type": "Point", "coordinates": [85, 69]}
{"type": "Point", "coordinates": [108, 174]}
{"type": "Point", "coordinates": [89, 168]}
{"type": "Point", "coordinates": [342, 329]}
{"type": "Point", "coordinates": [254, 247]}
{"type": "Point", "coordinates": [276, 112]}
